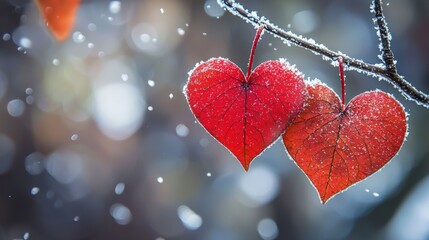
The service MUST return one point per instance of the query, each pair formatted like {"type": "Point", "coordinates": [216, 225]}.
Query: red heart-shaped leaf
{"type": "Point", "coordinates": [59, 16]}
{"type": "Point", "coordinates": [245, 115]}
{"type": "Point", "coordinates": [337, 148]}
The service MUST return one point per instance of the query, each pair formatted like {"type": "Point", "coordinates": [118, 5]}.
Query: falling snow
{"type": "Point", "coordinates": [55, 61]}
{"type": "Point", "coordinates": [267, 229]}
{"type": "Point", "coordinates": [180, 31]}
{"type": "Point", "coordinates": [189, 218]}
{"type": "Point", "coordinates": [151, 83]}
{"type": "Point", "coordinates": [16, 107]}
{"type": "Point", "coordinates": [78, 37]}
{"type": "Point", "coordinates": [121, 214]}
{"type": "Point", "coordinates": [25, 43]}
{"type": "Point", "coordinates": [92, 27]}
{"type": "Point", "coordinates": [28, 91]}
{"type": "Point", "coordinates": [124, 77]}
{"type": "Point", "coordinates": [6, 37]}
{"type": "Point", "coordinates": [182, 130]}
{"type": "Point", "coordinates": [29, 99]}
{"type": "Point", "coordinates": [119, 189]}
{"type": "Point", "coordinates": [74, 137]}
{"type": "Point", "coordinates": [115, 7]}
{"type": "Point", "coordinates": [35, 191]}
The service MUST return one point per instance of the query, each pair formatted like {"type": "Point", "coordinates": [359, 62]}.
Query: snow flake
{"type": "Point", "coordinates": [189, 218]}
{"type": "Point", "coordinates": [124, 77]}
{"type": "Point", "coordinates": [74, 137]}
{"type": "Point", "coordinates": [6, 37]}
{"type": "Point", "coordinates": [119, 188]}
{"type": "Point", "coordinates": [78, 37]}
{"type": "Point", "coordinates": [180, 31]}
{"type": "Point", "coordinates": [35, 191]}
{"type": "Point", "coordinates": [151, 83]}
{"type": "Point", "coordinates": [115, 7]}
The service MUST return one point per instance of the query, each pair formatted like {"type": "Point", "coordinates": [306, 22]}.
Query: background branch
{"type": "Point", "coordinates": [386, 71]}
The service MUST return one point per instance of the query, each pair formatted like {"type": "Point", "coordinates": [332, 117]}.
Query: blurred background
{"type": "Point", "coordinates": [97, 140]}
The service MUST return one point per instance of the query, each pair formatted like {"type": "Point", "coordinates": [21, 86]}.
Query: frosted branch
{"type": "Point", "coordinates": [386, 71]}
{"type": "Point", "coordinates": [384, 36]}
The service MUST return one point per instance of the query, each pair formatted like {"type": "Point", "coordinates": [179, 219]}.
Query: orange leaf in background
{"type": "Point", "coordinates": [59, 16]}
{"type": "Point", "coordinates": [337, 148]}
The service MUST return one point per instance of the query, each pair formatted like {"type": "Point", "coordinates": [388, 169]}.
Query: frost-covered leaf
{"type": "Point", "coordinates": [245, 115]}
{"type": "Point", "coordinates": [336, 148]}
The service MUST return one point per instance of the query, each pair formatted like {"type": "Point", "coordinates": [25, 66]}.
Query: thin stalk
{"type": "Point", "coordinates": [252, 51]}
{"type": "Point", "coordinates": [343, 82]}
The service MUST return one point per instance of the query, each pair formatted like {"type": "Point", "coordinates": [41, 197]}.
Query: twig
{"type": "Point", "coordinates": [384, 34]}
{"type": "Point", "coordinates": [386, 71]}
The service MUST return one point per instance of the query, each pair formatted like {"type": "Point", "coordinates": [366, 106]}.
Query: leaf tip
{"type": "Point", "coordinates": [246, 167]}
{"type": "Point", "coordinates": [324, 200]}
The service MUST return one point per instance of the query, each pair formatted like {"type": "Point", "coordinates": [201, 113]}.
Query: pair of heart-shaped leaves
{"type": "Point", "coordinates": [335, 146]}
